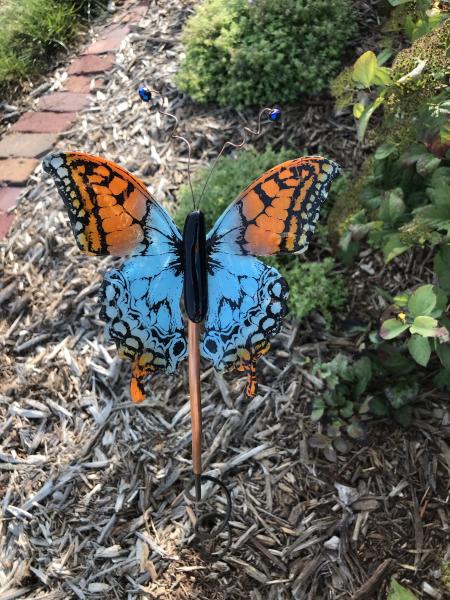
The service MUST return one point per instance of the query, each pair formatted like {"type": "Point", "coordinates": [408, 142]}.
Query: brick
{"type": "Point", "coordinates": [9, 197]}
{"type": "Point", "coordinates": [80, 84]}
{"type": "Point", "coordinates": [64, 102]}
{"type": "Point", "coordinates": [91, 63]}
{"type": "Point", "coordinates": [27, 145]}
{"type": "Point", "coordinates": [109, 41]}
{"type": "Point", "coordinates": [44, 122]}
{"type": "Point", "coordinates": [17, 170]}
{"type": "Point", "coordinates": [6, 221]}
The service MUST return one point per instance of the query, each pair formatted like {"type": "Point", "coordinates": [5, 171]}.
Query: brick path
{"type": "Point", "coordinates": [36, 132]}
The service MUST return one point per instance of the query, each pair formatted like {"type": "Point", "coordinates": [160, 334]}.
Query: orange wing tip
{"type": "Point", "coordinates": [252, 385]}
{"type": "Point", "coordinates": [137, 390]}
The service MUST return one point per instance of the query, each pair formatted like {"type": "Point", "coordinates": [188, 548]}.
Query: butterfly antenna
{"type": "Point", "coordinates": [274, 115]}
{"type": "Point", "coordinates": [156, 100]}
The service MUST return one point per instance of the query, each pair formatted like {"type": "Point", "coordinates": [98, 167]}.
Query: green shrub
{"type": "Point", "coordinates": [430, 56]}
{"type": "Point", "coordinates": [312, 284]}
{"type": "Point", "coordinates": [240, 53]}
{"type": "Point", "coordinates": [32, 32]}
{"type": "Point", "coordinates": [400, 199]}
{"type": "Point", "coordinates": [397, 197]}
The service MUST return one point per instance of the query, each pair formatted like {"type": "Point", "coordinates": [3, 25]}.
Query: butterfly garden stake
{"type": "Point", "coordinates": [234, 302]}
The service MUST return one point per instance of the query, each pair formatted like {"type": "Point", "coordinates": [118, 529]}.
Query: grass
{"type": "Point", "coordinates": [34, 32]}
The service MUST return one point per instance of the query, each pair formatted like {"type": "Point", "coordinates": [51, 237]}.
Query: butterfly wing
{"type": "Point", "coordinates": [110, 210]}
{"type": "Point", "coordinates": [141, 308]}
{"type": "Point", "coordinates": [246, 304]}
{"type": "Point", "coordinates": [277, 213]}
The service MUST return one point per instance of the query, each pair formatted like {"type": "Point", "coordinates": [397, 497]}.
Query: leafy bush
{"type": "Point", "coordinates": [400, 196]}
{"type": "Point", "coordinates": [33, 31]}
{"type": "Point", "coordinates": [400, 199]}
{"type": "Point", "coordinates": [386, 380]}
{"type": "Point", "coordinates": [240, 53]}
{"type": "Point", "coordinates": [422, 315]}
{"type": "Point", "coordinates": [418, 74]}
{"type": "Point", "coordinates": [312, 284]}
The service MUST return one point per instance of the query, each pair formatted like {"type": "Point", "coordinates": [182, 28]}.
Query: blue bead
{"type": "Point", "coordinates": [144, 93]}
{"type": "Point", "coordinates": [275, 114]}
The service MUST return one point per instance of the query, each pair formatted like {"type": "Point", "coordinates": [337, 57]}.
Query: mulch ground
{"type": "Point", "coordinates": [93, 487]}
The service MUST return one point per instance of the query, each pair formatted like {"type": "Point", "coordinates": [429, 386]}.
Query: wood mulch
{"type": "Point", "coordinates": [92, 488]}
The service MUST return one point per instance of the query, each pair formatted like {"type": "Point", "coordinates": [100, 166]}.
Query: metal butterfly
{"type": "Point", "coordinates": [240, 300]}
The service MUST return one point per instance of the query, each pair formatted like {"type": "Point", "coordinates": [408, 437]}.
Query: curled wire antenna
{"type": "Point", "coordinates": [156, 100]}
{"type": "Point", "coordinates": [274, 114]}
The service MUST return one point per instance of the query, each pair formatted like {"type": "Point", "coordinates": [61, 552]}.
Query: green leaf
{"type": "Point", "coordinates": [425, 326]}
{"type": "Point", "coordinates": [355, 431]}
{"type": "Point", "coordinates": [391, 328]}
{"type": "Point", "coordinates": [318, 409]}
{"type": "Point", "coordinates": [365, 117]}
{"type": "Point", "coordinates": [397, 591]}
{"type": "Point", "coordinates": [363, 372]}
{"type": "Point", "coordinates": [379, 407]}
{"type": "Point", "coordinates": [347, 410]}
{"type": "Point", "coordinates": [443, 352]}
{"type": "Point", "coordinates": [412, 154]}
{"type": "Point", "coordinates": [358, 110]}
{"type": "Point", "coordinates": [402, 393]}
{"type": "Point", "coordinates": [384, 151]}
{"type": "Point", "coordinates": [442, 266]}
{"type": "Point", "coordinates": [437, 216]}
{"type": "Point", "coordinates": [393, 247]}
{"type": "Point", "coordinates": [392, 206]}
{"type": "Point", "coordinates": [422, 301]}
{"type": "Point", "coordinates": [426, 164]}
{"type": "Point", "coordinates": [364, 69]}
{"type": "Point", "coordinates": [442, 379]}
{"type": "Point", "coordinates": [398, 2]}
{"type": "Point", "coordinates": [441, 303]}
{"type": "Point", "coordinates": [401, 299]}
{"type": "Point", "coordinates": [420, 350]}
{"type": "Point", "coordinates": [382, 76]}
{"type": "Point", "coordinates": [384, 56]}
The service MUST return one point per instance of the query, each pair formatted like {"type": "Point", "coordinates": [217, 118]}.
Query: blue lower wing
{"type": "Point", "coordinates": [141, 308]}
{"type": "Point", "coordinates": [246, 305]}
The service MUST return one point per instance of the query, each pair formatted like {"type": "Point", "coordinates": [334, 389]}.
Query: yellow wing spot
{"type": "Point", "coordinates": [93, 234]}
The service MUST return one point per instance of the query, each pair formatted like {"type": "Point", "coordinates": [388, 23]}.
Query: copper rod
{"type": "Point", "coordinates": [196, 403]}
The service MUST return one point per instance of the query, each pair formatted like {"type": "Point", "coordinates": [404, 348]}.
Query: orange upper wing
{"type": "Point", "coordinates": [109, 208]}
{"type": "Point", "coordinates": [277, 213]}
